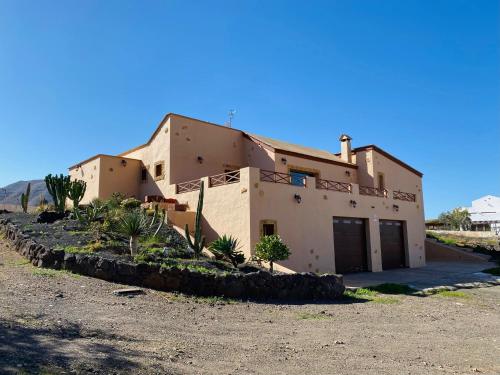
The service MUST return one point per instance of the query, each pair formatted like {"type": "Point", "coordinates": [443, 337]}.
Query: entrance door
{"type": "Point", "coordinates": [392, 244]}
{"type": "Point", "coordinates": [349, 240]}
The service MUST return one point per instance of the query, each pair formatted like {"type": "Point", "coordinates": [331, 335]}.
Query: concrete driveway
{"type": "Point", "coordinates": [434, 274]}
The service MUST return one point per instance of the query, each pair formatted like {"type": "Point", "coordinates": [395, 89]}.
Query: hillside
{"type": "Point", "coordinates": [10, 194]}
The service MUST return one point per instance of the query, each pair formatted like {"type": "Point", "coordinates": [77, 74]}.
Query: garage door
{"type": "Point", "coordinates": [349, 240]}
{"type": "Point", "coordinates": [392, 244]}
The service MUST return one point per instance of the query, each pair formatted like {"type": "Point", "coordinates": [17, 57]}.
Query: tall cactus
{"type": "Point", "coordinates": [76, 192]}
{"type": "Point", "coordinates": [58, 187]}
{"type": "Point", "coordinates": [199, 239]}
{"type": "Point", "coordinates": [25, 197]}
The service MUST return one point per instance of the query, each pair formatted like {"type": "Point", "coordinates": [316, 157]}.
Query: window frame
{"type": "Point", "coordinates": [161, 176]}
{"type": "Point", "coordinates": [262, 223]}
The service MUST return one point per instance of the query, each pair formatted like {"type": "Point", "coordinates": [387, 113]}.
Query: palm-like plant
{"type": "Point", "coordinates": [225, 247]}
{"type": "Point", "coordinates": [136, 223]}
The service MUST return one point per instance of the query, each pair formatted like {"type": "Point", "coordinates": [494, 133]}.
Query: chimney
{"type": "Point", "coordinates": [345, 148]}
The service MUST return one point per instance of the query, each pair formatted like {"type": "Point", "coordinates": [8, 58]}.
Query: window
{"type": "Point", "coordinates": [268, 228]}
{"type": "Point", "coordinates": [159, 170]}
{"type": "Point", "coordinates": [299, 176]}
{"type": "Point", "coordinates": [381, 182]}
{"type": "Point", "coordinates": [144, 174]}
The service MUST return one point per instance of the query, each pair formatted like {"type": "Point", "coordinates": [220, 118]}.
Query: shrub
{"type": "Point", "coordinates": [226, 248]}
{"type": "Point", "coordinates": [135, 224]}
{"type": "Point", "coordinates": [130, 203]}
{"type": "Point", "coordinates": [115, 200]}
{"type": "Point", "coordinates": [271, 249]}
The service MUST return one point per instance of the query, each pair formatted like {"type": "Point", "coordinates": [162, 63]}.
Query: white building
{"type": "Point", "coordinates": [485, 213]}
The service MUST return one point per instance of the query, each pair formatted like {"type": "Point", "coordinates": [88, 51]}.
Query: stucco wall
{"type": "Point", "coordinates": [88, 172]}
{"type": "Point", "coordinates": [158, 150]}
{"type": "Point", "coordinates": [226, 210]}
{"type": "Point", "coordinates": [105, 175]}
{"type": "Point", "coordinates": [326, 171]}
{"type": "Point", "coordinates": [307, 227]}
{"type": "Point", "coordinates": [116, 176]}
{"type": "Point", "coordinates": [220, 147]}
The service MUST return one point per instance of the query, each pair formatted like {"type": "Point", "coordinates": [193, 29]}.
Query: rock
{"type": "Point", "coordinates": [128, 292]}
{"type": "Point", "coordinates": [49, 217]}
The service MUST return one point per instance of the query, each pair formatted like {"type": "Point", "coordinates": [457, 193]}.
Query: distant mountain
{"type": "Point", "coordinates": [11, 194]}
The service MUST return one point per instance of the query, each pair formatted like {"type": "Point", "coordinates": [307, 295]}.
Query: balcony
{"type": "Point", "coordinates": [343, 187]}
{"type": "Point", "coordinates": [224, 179]}
{"type": "Point", "coordinates": [401, 195]}
{"type": "Point", "coordinates": [186, 187]}
{"type": "Point", "coordinates": [234, 177]}
{"type": "Point", "coordinates": [372, 191]}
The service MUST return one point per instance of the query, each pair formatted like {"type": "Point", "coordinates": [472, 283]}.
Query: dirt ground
{"type": "Point", "coordinates": [54, 322]}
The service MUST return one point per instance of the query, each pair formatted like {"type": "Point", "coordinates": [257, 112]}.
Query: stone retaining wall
{"type": "Point", "coordinates": [256, 285]}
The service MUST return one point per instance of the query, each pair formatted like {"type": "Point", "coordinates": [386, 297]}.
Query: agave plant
{"type": "Point", "coordinates": [136, 223]}
{"type": "Point", "coordinates": [225, 247]}
{"type": "Point", "coordinates": [91, 213]}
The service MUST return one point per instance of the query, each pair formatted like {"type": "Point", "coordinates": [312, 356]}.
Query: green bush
{"type": "Point", "coordinates": [130, 203]}
{"type": "Point", "coordinates": [226, 248]}
{"type": "Point", "coordinates": [271, 249]}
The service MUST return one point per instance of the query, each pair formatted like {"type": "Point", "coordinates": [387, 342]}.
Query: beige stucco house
{"type": "Point", "coordinates": [358, 210]}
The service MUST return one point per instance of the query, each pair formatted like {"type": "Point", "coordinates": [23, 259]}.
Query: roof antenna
{"type": "Point", "coordinates": [230, 115]}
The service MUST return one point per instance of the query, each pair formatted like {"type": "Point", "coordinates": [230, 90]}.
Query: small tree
{"type": "Point", "coordinates": [271, 249]}
{"type": "Point", "coordinates": [226, 248]}
{"type": "Point", "coordinates": [458, 218]}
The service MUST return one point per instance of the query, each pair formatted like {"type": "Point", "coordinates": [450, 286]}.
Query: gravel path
{"type": "Point", "coordinates": [53, 322]}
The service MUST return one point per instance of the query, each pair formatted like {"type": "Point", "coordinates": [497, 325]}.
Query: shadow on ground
{"type": "Point", "coordinates": [35, 350]}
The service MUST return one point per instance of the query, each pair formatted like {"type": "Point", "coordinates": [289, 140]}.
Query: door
{"type": "Point", "coordinates": [349, 241]}
{"type": "Point", "coordinates": [392, 244]}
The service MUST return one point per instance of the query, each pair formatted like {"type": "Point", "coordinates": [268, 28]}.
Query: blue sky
{"type": "Point", "coordinates": [420, 79]}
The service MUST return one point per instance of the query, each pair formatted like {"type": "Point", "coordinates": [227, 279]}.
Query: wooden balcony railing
{"type": "Point", "coordinates": [224, 178]}
{"type": "Point", "coordinates": [372, 191]}
{"type": "Point", "coordinates": [185, 187]}
{"type": "Point", "coordinates": [402, 196]}
{"type": "Point", "coordinates": [343, 187]}
{"type": "Point", "coordinates": [276, 177]}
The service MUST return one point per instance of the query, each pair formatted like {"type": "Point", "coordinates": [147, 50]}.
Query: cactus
{"type": "Point", "coordinates": [199, 240]}
{"type": "Point", "coordinates": [25, 197]}
{"type": "Point", "coordinates": [58, 187]}
{"type": "Point", "coordinates": [76, 192]}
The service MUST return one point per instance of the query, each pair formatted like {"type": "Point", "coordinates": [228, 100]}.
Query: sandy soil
{"type": "Point", "coordinates": [53, 322]}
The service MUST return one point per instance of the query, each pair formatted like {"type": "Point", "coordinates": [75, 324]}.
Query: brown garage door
{"type": "Point", "coordinates": [392, 244]}
{"type": "Point", "coordinates": [349, 239]}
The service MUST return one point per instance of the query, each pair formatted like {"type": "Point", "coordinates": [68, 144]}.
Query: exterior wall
{"type": "Point", "coordinates": [258, 156]}
{"type": "Point", "coordinates": [226, 210]}
{"type": "Point", "coordinates": [396, 177]}
{"type": "Point", "coordinates": [307, 228]}
{"type": "Point", "coordinates": [220, 147]}
{"type": "Point", "coordinates": [326, 171]}
{"type": "Point", "coordinates": [90, 173]}
{"type": "Point", "coordinates": [116, 177]}
{"type": "Point", "coordinates": [158, 150]}
{"type": "Point", "coordinates": [106, 175]}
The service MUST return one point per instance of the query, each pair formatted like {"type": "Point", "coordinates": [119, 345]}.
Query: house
{"type": "Point", "coordinates": [485, 214]}
{"type": "Point", "coordinates": [357, 210]}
